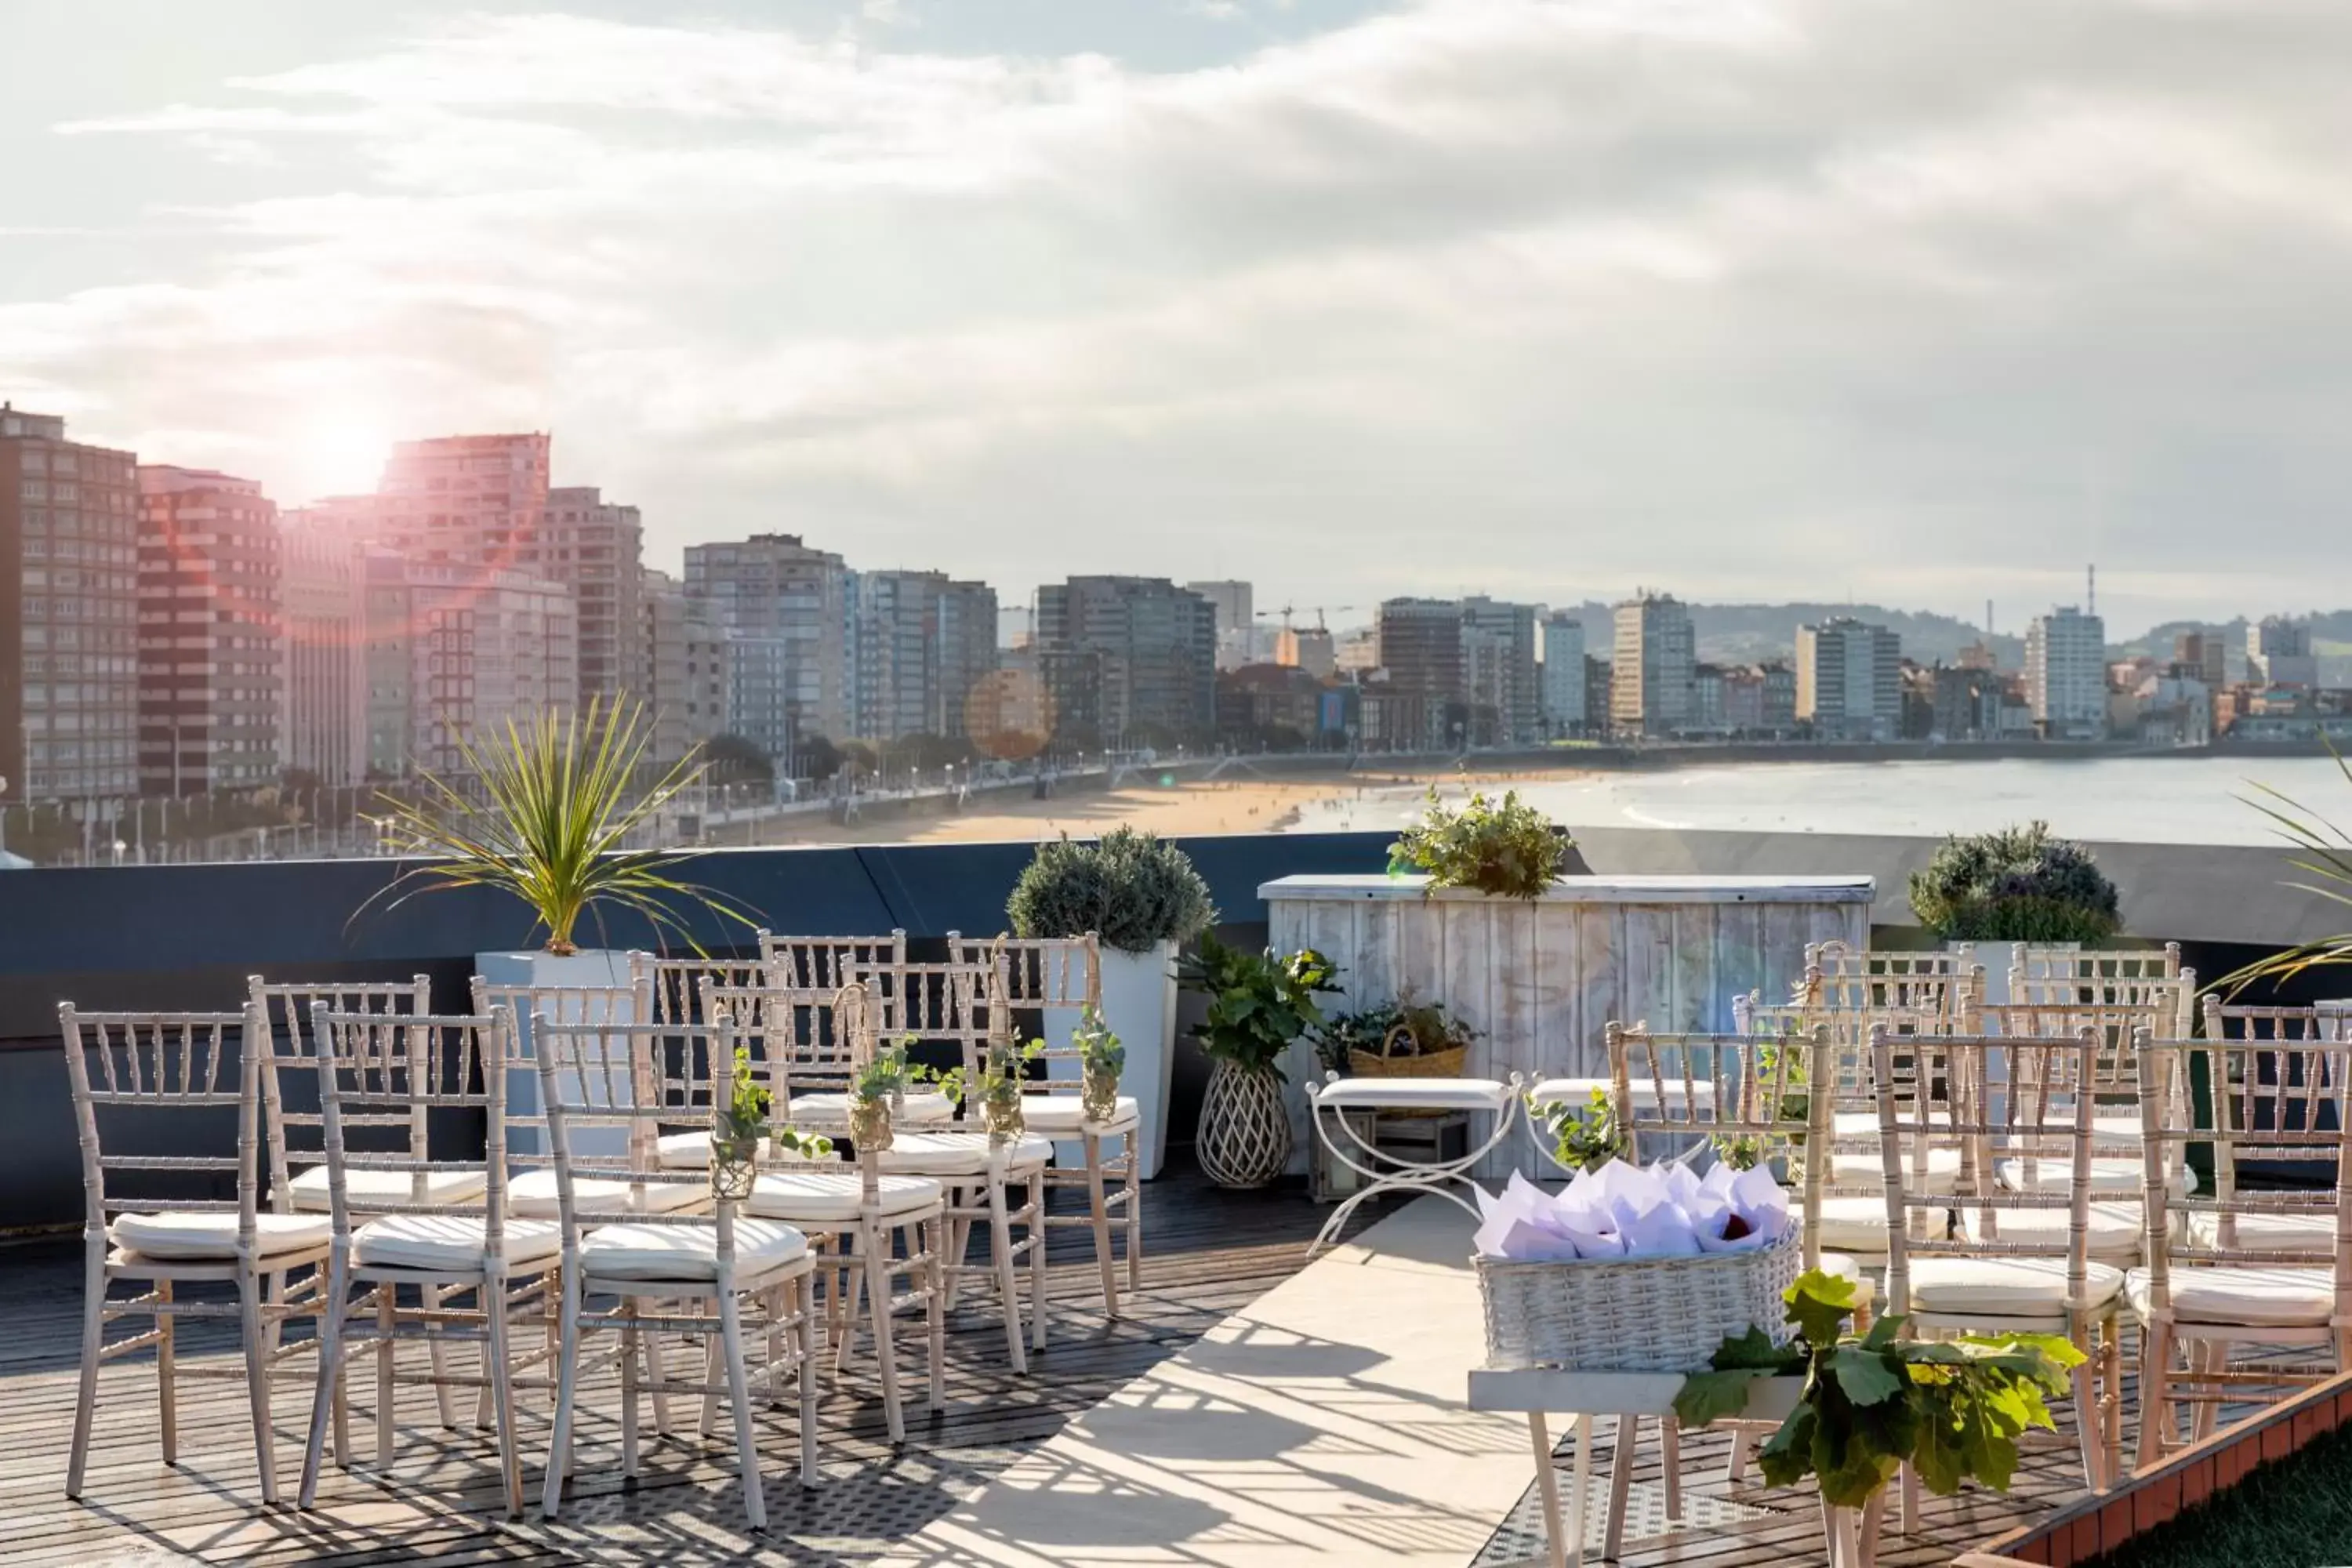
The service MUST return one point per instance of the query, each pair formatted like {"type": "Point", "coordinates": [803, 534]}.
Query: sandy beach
{"type": "Point", "coordinates": [1340, 802]}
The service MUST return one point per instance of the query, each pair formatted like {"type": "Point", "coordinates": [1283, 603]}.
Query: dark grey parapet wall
{"type": "Point", "coordinates": [184, 937]}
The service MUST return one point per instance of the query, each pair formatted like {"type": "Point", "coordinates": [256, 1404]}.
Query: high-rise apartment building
{"type": "Point", "coordinates": [1563, 675]}
{"type": "Point", "coordinates": [1159, 643]}
{"type": "Point", "coordinates": [323, 716]}
{"type": "Point", "coordinates": [1235, 604]}
{"type": "Point", "coordinates": [689, 669]}
{"type": "Point", "coordinates": [386, 664]}
{"type": "Point", "coordinates": [68, 613]}
{"type": "Point", "coordinates": [1656, 652]}
{"type": "Point", "coordinates": [1421, 649]}
{"type": "Point", "coordinates": [787, 609]}
{"type": "Point", "coordinates": [920, 642]}
{"type": "Point", "coordinates": [1850, 680]}
{"type": "Point", "coordinates": [2066, 674]}
{"type": "Point", "coordinates": [594, 547]}
{"type": "Point", "coordinates": [1707, 703]}
{"type": "Point", "coordinates": [2203, 657]}
{"type": "Point", "coordinates": [453, 652]}
{"type": "Point", "coordinates": [459, 500]}
{"type": "Point", "coordinates": [1505, 663]}
{"type": "Point", "coordinates": [212, 620]}
{"type": "Point", "coordinates": [2278, 650]}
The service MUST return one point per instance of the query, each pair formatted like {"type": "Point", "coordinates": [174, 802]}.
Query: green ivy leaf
{"type": "Point", "coordinates": [1819, 1303]}
{"type": "Point", "coordinates": [1711, 1397]}
{"type": "Point", "coordinates": [1867, 1376]}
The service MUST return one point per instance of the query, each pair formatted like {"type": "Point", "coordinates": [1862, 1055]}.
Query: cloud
{"type": "Point", "coordinates": [1544, 296]}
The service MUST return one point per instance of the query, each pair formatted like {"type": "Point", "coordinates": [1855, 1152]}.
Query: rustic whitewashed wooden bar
{"type": "Point", "coordinates": [1541, 980]}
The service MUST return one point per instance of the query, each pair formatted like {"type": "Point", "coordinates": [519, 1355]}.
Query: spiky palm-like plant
{"type": "Point", "coordinates": [550, 822]}
{"type": "Point", "coordinates": [2324, 851]}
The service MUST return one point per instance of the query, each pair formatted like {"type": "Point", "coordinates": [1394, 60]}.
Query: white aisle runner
{"type": "Point", "coordinates": [1322, 1425]}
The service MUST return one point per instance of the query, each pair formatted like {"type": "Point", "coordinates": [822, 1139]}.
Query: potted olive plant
{"type": "Point", "coordinates": [2019, 885]}
{"type": "Point", "coordinates": [549, 810]}
{"type": "Point", "coordinates": [1258, 1003]}
{"type": "Point", "coordinates": [1140, 897]}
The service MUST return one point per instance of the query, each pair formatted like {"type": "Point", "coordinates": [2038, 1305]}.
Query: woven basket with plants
{"type": "Point", "coordinates": [1400, 1039]}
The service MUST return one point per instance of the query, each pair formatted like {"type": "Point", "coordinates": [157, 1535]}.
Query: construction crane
{"type": "Point", "coordinates": [1320, 610]}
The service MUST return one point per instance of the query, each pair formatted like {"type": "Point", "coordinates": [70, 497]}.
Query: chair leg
{"type": "Point", "coordinates": [878, 1295]}
{"type": "Point", "coordinates": [93, 1339]}
{"type": "Point", "coordinates": [2115, 1403]}
{"type": "Point", "coordinates": [999, 1239]}
{"type": "Point", "coordinates": [327, 1399]}
{"type": "Point", "coordinates": [857, 1246]}
{"type": "Point", "coordinates": [1037, 1234]}
{"type": "Point", "coordinates": [935, 1308]}
{"type": "Point", "coordinates": [567, 1373]}
{"type": "Point", "coordinates": [1670, 1451]}
{"type": "Point", "coordinates": [632, 1339]}
{"type": "Point", "coordinates": [2086, 1412]}
{"type": "Point", "coordinates": [167, 1391]}
{"type": "Point", "coordinates": [257, 1381]}
{"type": "Point", "coordinates": [1734, 1460]}
{"type": "Point", "coordinates": [1095, 1199]}
{"type": "Point", "coordinates": [1621, 1485]}
{"type": "Point", "coordinates": [2211, 1357]}
{"type": "Point", "coordinates": [802, 1295]}
{"type": "Point", "coordinates": [445, 1396]}
{"type": "Point", "coordinates": [2155, 1412]}
{"type": "Point", "coordinates": [1134, 1183]}
{"type": "Point", "coordinates": [747, 1444]}
{"type": "Point", "coordinates": [959, 1244]}
{"type": "Point", "coordinates": [494, 1301]}
{"type": "Point", "coordinates": [387, 1318]}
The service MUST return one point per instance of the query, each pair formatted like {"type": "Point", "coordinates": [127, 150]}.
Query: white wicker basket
{"type": "Point", "coordinates": [1651, 1314]}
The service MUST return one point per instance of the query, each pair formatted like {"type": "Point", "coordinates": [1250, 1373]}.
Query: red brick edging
{"type": "Point", "coordinates": [2153, 1494]}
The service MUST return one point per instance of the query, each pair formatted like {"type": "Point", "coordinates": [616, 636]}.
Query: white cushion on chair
{"type": "Point", "coordinates": [923, 1108]}
{"type": "Point", "coordinates": [192, 1235]}
{"type": "Point", "coordinates": [532, 1194]}
{"type": "Point", "coordinates": [372, 1188]}
{"type": "Point", "coordinates": [1416, 1094]}
{"type": "Point", "coordinates": [2003, 1287]}
{"type": "Point", "coordinates": [1850, 1223]}
{"type": "Point", "coordinates": [453, 1243]}
{"type": "Point", "coordinates": [835, 1196]}
{"type": "Point", "coordinates": [2110, 1176]}
{"type": "Point", "coordinates": [691, 1150]}
{"type": "Point", "coordinates": [1864, 1168]}
{"type": "Point", "coordinates": [1578, 1091]}
{"type": "Point", "coordinates": [1066, 1113]}
{"type": "Point", "coordinates": [687, 1252]}
{"type": "Point", "coordinates": [957, 1153]}
{"type": "Point", "coordinates": [2117, 1229]}
{"type": "Point", "coordinates": [2242, 1298]}
{"type": "Point", "coordinates": [2314, 1232]}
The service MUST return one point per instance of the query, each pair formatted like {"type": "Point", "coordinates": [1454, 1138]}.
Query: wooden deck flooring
{"type": "Point", "coordinates": [1210, 1252]}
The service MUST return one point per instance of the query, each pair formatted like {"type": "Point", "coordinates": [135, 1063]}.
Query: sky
{"type": "Point", "coordinates": [1908, 302]}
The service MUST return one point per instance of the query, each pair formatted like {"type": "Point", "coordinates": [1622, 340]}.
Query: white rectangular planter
{"type": "Point", "coordinates": [1139, 1004]}
{"type": "Point", "coordinates": [1541, 980]}
{"type": "Point", "coordinates": [599, 967]}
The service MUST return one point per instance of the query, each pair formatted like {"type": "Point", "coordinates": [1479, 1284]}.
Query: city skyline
{"type": "Point", "coordinates": [1861, 303]}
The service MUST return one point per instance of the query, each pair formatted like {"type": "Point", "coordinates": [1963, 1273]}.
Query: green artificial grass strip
{"type": "Point", "coordinates": [2293, 1513]}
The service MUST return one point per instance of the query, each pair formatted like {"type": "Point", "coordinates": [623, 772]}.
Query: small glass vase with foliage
{"type": "Point", "coordinates": [2017, 885]}
{"type": "Point", "coordinates": [1004, 1068]}
{"type": "Point", "coordinates": [878, 1092]}
{"type": "Point", "coordinates": [1506, 847]}
{"type": "Point", "coordinates": [738, 1120]}
{"type": "Point", "coordinates": [1745, 1150]}
{"type": "Point", "coordinates": [1258, 1002]}
{"type": "Point", "coordinates": [1132, 890]}
{"type": "Point", "coordinates": [1101, 1059]}
{"type": "Point", "coordinates": [551, 807]}
{"type": "Point", "coordinates": [1584, 1137]}
{"type": "Point", "coordinates": [1952, 1409]}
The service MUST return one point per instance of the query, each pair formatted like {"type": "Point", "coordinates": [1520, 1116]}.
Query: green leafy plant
{"type": "Point", "coordinates": [1505, 848]}
{"type": "Point", "coordinates": [1099, 1050]}
{"type": "Point", "coordinates": [1258, 1002]}
{"type": "Point", "coordinates": [1131, 888]}
{"type": "Point", "coordinates": [1953, 1409]}
{"type": "Point", "coordinates": [742, 1116]}
{"type": "Point", "coordinates": [886, 1075]}
{"type": "Point", "coordinates": [1366, 1029]}
{"type": "Point", "coordinates": [554, 810]}
{"type": "Point", "coordinates": [2323, 851]}
{"type": "Point", "coordinates": [1000, 1065]}
{"type": "Point", "coordinates": [1584, 1137]}
{"type": "Point", "coordinates": [2017, 885]}
{"type": "Point", "coordinates": [1745, 1150]}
